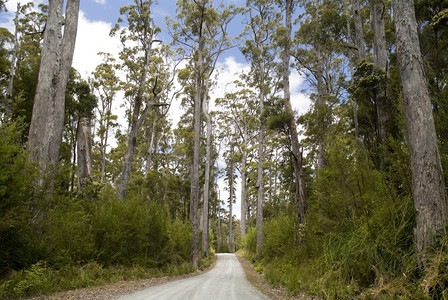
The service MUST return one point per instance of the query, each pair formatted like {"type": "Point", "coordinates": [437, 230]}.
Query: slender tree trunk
{"type": "Point", "coordinates": [359, 32]}
{"type": "Point", "coordinates": [231, 197]}
{"type": "Point", "coordinates": [352, 62]}
{"type": "Point", "coordinates": [84, 150]}
{"type": "Point", "coordinates": [320, 102]}
{"type": "Point", "coordinates": [243, 185]}
{"type": "Point", "coordinates": [12, 69]}
{"type": "Point", "coordinates": [47, 123]}
{"type": "Point", "coordinates": [151, 146]}
{"type": "Point", "coordinates": [260, 171]}
{"type": "Point", "coordinates": [218, 239]}
{"type": "Point", "coordinates": [296, 154]}
{"type": "Point", "coordinates": [377, 8]}
{"type": "Point", "coordinates": [428, 187]}
{"type": "Point", "coordinates": [74, 160]}
{"type": "Point", "coordinates": [194, 196]}
{"type": "Point", "coordinates": [208, 158]}
{"type": "Point", "coordinates": [104, 141]}
{"type": "Point", "coordinates": [136, 122]}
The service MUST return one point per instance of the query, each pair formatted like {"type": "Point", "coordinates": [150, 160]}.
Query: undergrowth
{"type": "Point", "coordinates": [357, 242]}
{"type": "Point", "coordinates": [42, 279]}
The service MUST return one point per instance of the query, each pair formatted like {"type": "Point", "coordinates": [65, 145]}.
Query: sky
{"type": "Point", "coordinates": [96, 19]}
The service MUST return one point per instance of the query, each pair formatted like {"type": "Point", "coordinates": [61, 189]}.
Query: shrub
{"type": "Point", "coordinates": [17, 248]}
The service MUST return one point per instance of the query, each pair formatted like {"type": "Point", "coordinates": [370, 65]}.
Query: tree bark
{"type": "Point", "coordinates": [84, 151]}
{"type": "Point", "coordinates": [260, 171]}
{"type": "Point", "coordinates": [231, 197]}
{"type": "Point", "coordinates": [208, 159]}
{"type": "Point", "coordinates": [377, 8]}
{"type": "Point", "coordinates": [151, 145]}
{"type": "Point", "coordinates": [296, 153]}
{"type": "Point", "coordinates": [194, 186]}
{"type": "Point", "coordinates": [428, 187]}
{"type": "Point", "coordinates": [12, 69]}
{"type": "Point", "coordinates": [47, 123]}
{"type": "Point", "coordinates": [243, 185]}
{"type": "Point", "coordinates": [359, 32]}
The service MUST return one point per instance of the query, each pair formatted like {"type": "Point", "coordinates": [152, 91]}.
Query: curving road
{"type": "Point", "coordinates": [226, 281]}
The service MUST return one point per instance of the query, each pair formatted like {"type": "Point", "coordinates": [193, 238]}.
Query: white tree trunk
{"type": "Point", "coordinates": [243, 185]}
{"type": "Point", "coordinates": [12, 69]}
{"type": "Point", "coordinates": [260, 171]}
{"type": "Point", "coordinates": [428, 187]}
{"type": "Point", "coordinates": [47, 123]}
{"type": "Point", "coordinates": [84, 151]}
{"type": "Point", "coordinates": [208, 158]}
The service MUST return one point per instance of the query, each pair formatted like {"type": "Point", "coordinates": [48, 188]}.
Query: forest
{"type": "Point", "coordinates": [344, 201]}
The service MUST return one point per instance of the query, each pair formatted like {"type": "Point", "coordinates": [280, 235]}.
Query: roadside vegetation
{"type": "Point", "coordinates": [79, 241]}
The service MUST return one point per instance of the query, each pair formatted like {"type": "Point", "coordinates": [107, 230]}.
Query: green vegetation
{"type": "Point", "coordinates": [79, 241]}
{"type": "Point", "coordinates": [357, 239]}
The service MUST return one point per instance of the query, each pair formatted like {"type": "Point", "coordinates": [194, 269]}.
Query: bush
{"type": "Point", "coordinates": [17, 244]}
{"type": "Point", "coordinates": [132, 231]}
{"type": "Point", "coordinates": [249, 242]}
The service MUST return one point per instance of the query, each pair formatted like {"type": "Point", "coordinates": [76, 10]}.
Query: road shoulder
{"type": "Point", "coordinates": [117, 289]}
{"type": "Point", "coordinates": [258, 281]}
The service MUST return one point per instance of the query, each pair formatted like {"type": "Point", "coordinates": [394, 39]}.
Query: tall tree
{"type": "Point", "coordinates": [260, 51]}
{"type": "Point", "coordinates": [295, 147]}
{"type": "Point", "coordinates": [12, 70]}
{"type": "Point", "coordinates": [378, 13]}
{"type": "Point", "coordinates": [202, 30]}
{"type": "Point", "coordinates": [428, 187]}
{"type": "Point", "coordinates": [239, 110]}
{"type": "Point", "coordinates": [208, 163]}
{"type": "Point", "coordinates": [106, 84]}
{"type": "Point", "coordinates": [86, 105]}
{"type": "Point", "coordinates": [47, 123]}
{"type": "Point", "coordinates": [359, 31]}
{"type": "Point", "coordinates": [137, 59]}
{"type": "Point", "coordinates": [230, 170]}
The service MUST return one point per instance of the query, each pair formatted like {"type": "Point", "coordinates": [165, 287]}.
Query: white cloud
{"type": "Point", "coordinates": [100, 1]}
{"type": "Point", "coordinates": [92, 37]}
{"type": "Point", "coordinates": [11, 5]}
{"type": "Point", "coordinates": [299, 101]}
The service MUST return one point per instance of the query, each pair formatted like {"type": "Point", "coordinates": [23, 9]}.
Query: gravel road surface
{"type": "Point", "coordinates": [226, 281]}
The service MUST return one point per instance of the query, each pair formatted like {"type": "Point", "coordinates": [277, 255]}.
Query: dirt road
{"type": "Point", "coordinates": [226, 281]}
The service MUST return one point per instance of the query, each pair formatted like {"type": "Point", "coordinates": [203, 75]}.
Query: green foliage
{"type": "Point", "coordinates": [131, 232]}
{"type": "Point", "coordinates": [250, 241]}
{"type": "Point", "coordinates": [79, 241]}
{"type": "Point", "coordinates": [16, 194]}
{"type": "Point", "coordinates": [358, 236]}
{"type": "Point", "coordinates": [279, 121]}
